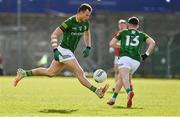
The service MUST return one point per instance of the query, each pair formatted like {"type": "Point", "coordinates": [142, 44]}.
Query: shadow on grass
{"type": "Point", "coordinates": [62, 111]}
{"type": "Point", "coordinates": [122, 107]}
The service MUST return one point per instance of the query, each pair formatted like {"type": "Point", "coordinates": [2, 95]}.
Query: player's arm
{"type": "Point", "coordinates": [87, 41]}
{"type": "Point", "coordinates": [64, 27]}
{"type": "Point", "coordinates": [151, 44]}
{"type": "Point", "coordinates": [114, 43]}
{"type": "Point", "coordinates": [87, 38]}
{"type": "Point", "coordinates": [54, 42]}
{"type": "Point", "coordinates": [54, 37]}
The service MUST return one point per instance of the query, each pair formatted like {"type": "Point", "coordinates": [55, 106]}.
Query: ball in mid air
{"type": "Point", "coordinates": [100, 75]}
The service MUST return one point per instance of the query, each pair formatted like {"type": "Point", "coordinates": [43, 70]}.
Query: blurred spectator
{"type": "Point", "coordinates": [1, 64]}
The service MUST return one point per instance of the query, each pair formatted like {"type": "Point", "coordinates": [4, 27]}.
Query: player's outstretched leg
{"type": "Point", "coordinates": [101, 91]}
{"type": "Point", "coordinates": [76, 68]}
{"type": "Point", "coordinates": [20, 74]}
{"type": "Point", "coordinates": [130, 96]}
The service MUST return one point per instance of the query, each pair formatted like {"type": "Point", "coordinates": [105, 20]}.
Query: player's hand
{"type": "Point", "coordinates": [56, 54]}
{"type": "Point", "coordinates": [86, 52]}
{"type": "Point", "coordinates": [111, 50]}
{"type": "Point", "coordinates": [144, 57]}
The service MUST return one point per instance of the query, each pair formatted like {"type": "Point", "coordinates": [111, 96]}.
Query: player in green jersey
{"type": "Point", "coordinates": [71, 29]}
{"type": "Point", "coordinates": [131, 42]}
{"type": "Point", "coordinates": [122, 24]}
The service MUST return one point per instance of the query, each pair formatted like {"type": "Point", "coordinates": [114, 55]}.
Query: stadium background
{"type": "Point", "coordinates": [26, 26]}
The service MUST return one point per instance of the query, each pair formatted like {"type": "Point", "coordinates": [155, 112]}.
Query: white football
{"type": "Point", "coordinates": [100, 75]}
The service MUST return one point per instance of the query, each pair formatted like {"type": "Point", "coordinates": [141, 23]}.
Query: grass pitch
{"type": "Point", "coordinates": [41, 96]}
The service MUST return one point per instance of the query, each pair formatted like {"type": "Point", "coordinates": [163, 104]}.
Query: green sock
{"type": "Point", "coordinates": [128, 90]}
{"type": "Point", "coordinates": [114, 95]}
{"type": "Point", "coordinates": [93, 88]}
{"type": "Point", "coordinates": [29, 73]}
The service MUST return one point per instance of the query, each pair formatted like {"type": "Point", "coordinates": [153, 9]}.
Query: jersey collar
{"type": "Point", "coordinates": [78, 21]}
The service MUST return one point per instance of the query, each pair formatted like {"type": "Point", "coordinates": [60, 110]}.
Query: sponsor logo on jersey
{"type": "Point", "coordinates": [77, 34]}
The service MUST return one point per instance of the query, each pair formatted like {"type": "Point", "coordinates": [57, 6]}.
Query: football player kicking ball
{"type": "Point", "coordinates": [131, 42]}
{"type": "Point", "coordinates": [71, 29]}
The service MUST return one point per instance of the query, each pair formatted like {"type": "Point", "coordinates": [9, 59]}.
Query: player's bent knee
{"type": "Point", "coordinates": [50, 73]}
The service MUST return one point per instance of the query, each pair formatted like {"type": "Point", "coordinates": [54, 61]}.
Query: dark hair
{"type": "Point", "coordinates": [133, 20]}
{"type": "Point", "coordinates": [84, 7]}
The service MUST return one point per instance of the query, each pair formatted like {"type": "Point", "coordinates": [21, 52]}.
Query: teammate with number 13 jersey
{"type": "Point", "coordinates": [131, 42]}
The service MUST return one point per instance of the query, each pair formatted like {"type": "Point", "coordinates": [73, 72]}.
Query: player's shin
{"type": "Point", "coordinates": [125, 79]}
{"type": "Point", "coordinates": [116, 91]}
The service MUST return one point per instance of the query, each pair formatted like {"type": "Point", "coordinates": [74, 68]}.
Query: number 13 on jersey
{"type": "Point", "coordinates": [132, 41]}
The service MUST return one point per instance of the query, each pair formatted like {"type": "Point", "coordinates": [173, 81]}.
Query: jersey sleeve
{"type": "Point", "coordinates": [65, 26]}
{"type": "Point", "coordinates": [86, 26]}
{"type": "Point", "coordinates": [119, 35]}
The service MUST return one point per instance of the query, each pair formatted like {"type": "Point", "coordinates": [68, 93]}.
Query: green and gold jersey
{"type": "Point", "coordinates": [72, 32]}
{"type": "Point", "coordinates": [131, 42]}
